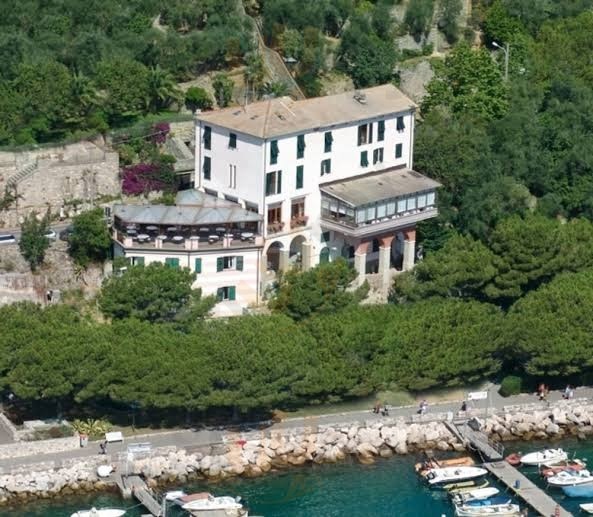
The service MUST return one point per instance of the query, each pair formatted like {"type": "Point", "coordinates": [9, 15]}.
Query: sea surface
{"type": "Point", "coordinates": [389, 487]}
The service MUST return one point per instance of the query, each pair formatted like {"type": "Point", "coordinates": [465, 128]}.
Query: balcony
{"type": "Point", "coordinates": [275, 227]}
{"type": "Point", "coordinates": [378, 202]}
{"type": "Point", "coordinates": [298, 221]}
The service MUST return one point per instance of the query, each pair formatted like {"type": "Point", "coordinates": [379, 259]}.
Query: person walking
{"type": "Point", "coordinates": [423, 407]}
{"type": "Point", "coordinates": [103, 447]}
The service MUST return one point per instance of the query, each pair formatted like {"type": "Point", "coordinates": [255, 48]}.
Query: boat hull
{"type": "Point", "coordinates": [579, 490]}
{"type": "Point", "coordinates": [447, 475]}
{"type": "Point", "coordinates": [105, 512]}
{"type": "Point", "coordinates": [502, 510]}
{"type": "Point", "coordinates": [546, 457]}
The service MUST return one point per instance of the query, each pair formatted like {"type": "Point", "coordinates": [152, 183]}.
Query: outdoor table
{"type": "Point", "coordinates": [143, 237]}
{"type": "Point", "coordinates": [177, 239]}
{"type": "Point", "coordinates": [246, 236]}
{"type": "Point", "coordinates": [152, 228]}
{"type": "Point", "coordinates": [229, 235]}
{"type": "Point", "coordinates": [171, 229]}
{"type": "Point", "coordinates": [131, 232]}
{"type": "Point", "coordinates": [212, 238]}
{"type": "Point", "coordinates": [220, 229]}
{"type": "Point", "coordinates": [162, 237]}
{"type": "Point", "coordinates": [204, 230]}
{"type": "Point", "coordinates": [131, 227]}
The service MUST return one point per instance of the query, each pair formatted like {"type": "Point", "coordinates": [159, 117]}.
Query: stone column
{"type": "Point", "coordinates": [306, 255]}
{"type": "Point", "coordinates": [360, 261]}
{"type": "Point", "coordinates": [385, 260]}
{"type": "Point", "coordinates": [409, 249]}
{"type": "Point", "coordinates": [283, 260]}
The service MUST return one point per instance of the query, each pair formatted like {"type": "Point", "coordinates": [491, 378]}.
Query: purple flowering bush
{"type": "Point", "coordinates": [159, 132]}
{"type": "Point", "coordinates": [141, 178]}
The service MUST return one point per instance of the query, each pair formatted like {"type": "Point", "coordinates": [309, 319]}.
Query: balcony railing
{"type": "Point", "coordinates": [299, 221]}
{"type": "Point", "coordinates": [276, 227]}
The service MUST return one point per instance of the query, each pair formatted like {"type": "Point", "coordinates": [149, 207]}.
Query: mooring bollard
{"type": "Point", "coordinates": [517, 484]}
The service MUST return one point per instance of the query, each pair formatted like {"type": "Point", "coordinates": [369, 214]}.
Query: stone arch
{"type": "Point", "coordinates": [324, 255]}
{"type": "Point", "coordinates": [296, 247]}
{"type": "Point", "coordinates": [273, 256]}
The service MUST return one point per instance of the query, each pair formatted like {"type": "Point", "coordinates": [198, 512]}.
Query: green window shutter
{"type": "Point", "coordinates": [364, 159]}
{"type": "Point", "coordinates": [381, 130]}
{"type": "Point", "coordinates": [279, 182]}
{"type": "Point", "coordinates": [329, 166]}
{"type": "Point", "coordinates": [398, 150]}
{"type": "Point", "coordinates": [370, 133]}
{"type": "Point", "coordinates": [300, 146]}
{"type": "Point", "coordinates": [328, 141]}
{"type": "Point", "coordinates": [232, 140]}
{"type": "Point", "coordinates": [207, 167]}
{"type": "Point", "coordinates": [274, 152]}
{"type": "Point", "coordinates": [172, 262]}
{"type": "Point", "coordinates": [299, 176]}
{"type": "Point", "coordinates": [239, 263]}
{"type": "Point", "coordinates": [198, 265]}
{"type": "Point", "coordinates": [219, 294]}
{"type": "Point", "coordinates": [207, 137]}
{"type": "Point", "coordinates": [232, 293]}
{"type": "Point", "coordinates": [269, 183]}
{"type": "Point", "coordinates": [219, 264]}
{"type": "Point", "coordinates": [400, 126]}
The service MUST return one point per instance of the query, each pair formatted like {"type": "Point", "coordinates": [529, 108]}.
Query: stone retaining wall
{"type": "Point", "coordinates": [22, 449]}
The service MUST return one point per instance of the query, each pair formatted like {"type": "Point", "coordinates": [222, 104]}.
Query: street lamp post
{"type": "Point", "coordinates": [506, 49]}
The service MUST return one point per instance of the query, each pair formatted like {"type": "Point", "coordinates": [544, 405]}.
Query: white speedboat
{"type": "Point", "coordinates": [204, 503]}
{"type": "Point", "coordinates": [571, 478]}
{"type": "Point", "coordinates": [453, 474]}
{"type": "Point", "coordinates": [545, 457]}
{"type": "Point", "coordinates": [476, 495]}
{"type": "Point", "coordinates": [102, 512]}
{"type": "Point", "coordinates": [173, 495]}
{"type": "Point", "coordinates": [586, 507]}
{"type": "Point", "coordinates": [480, 511]}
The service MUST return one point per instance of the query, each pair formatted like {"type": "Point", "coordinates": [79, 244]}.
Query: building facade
{"type": "Point", "coordinates": [330, 176]}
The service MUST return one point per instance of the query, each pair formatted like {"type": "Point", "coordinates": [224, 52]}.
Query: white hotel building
{"type": "Point", "coordinates": [312, 180]}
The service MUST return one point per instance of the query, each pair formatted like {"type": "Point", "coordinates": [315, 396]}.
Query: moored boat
{"type": "Point", "coordinates": [432, 463]}
{"type": "Point", "coordinates": [552, 470]}
{"type": "Point", "coordinates": [206, 503]}
{"type": "Point", "coordinates": [478, 511]}
{"type": "Point", "coordinates": [545, 457]}
{"type": "Point", "coordinates": [571, 478]}
{"type": "Point", "coordinates": [464, 486]}
{"type": "Point", "coordinates": [101, 512]}
{"type": "Point", "coordinates": [586, 507]}
{"type": "Point", "coordinates": [476, 494]}
{"type": "Point", "coordinates": [173, 495]}
{"type": "Point", "coordinates": [584, 490]}
{"type": "Point", "coordinates": [441, 476]}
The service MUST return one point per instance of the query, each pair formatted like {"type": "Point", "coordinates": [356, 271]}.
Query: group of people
{"type": "Point", "coordinates": [381, 409]}
{"type": "Point", "coordinates": [543, 390]}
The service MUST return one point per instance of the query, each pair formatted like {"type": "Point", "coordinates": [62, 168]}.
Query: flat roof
{"type": "Point", "coordinates": [376, 186]}
{"type": "Point", "coordinates": [282, 116]}
{"type": "Point", "coordinates": [193, 208]}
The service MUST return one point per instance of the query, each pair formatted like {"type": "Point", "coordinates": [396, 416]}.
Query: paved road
{"type": "Point", "coordinates": [201, 438]}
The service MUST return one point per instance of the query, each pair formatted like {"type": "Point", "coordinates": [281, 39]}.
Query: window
{"type": "Point", "coordinates": [400, 126]}
{"type": "Point", "coordinates": [299, 176]}
{"type": "Point", "coordinates": [273, 183]}
{"type": "Point", "coordinates": [300, 146]}
{"type": "Point", "coordinates": [207, 137]}
{"type": "Point", "coordinates": [364, 159]}
{"type": "Point", "coordinates": [172, 262]}
{"type": "Point", "coordinates": [297, 208]}
{"type": "Point", "coordinates": [226, 263]}
{"type": "Point", "coordinates": [329, 139]}
{"type": "Point", "coordinates": [251, 207]}
{"type": "Point", "coordinates": [198, 265]}
{"type": "Point", "coordinates": [274, 152]}
{"type": "Point", "coordinates": [378, 155]}
{"type": "Point", "coordinates": [381, 130]}
{"type": "Point", "coordinates": [226, 293]}
{"type": "Point", "coordinates": [362, 134]}
{"type": "Point", "coordinates": [207, 167]}
{"type": "Point", "coordinates": [326, 166]}
{"type": "Point", "coordinates": [274, 214]}
{"type": "Point", "coordinates": [325, 236]}
{"type": "Point", "coordinates": [232, 140]}
{"type": "Point", "coordinates": [398, 150]}
{"type": "Point", "coordinates": [137, 261]}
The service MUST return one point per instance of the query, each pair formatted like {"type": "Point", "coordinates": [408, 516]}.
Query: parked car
{"type": "Point", "coordinates": [65, 233]}
{"type": "Point", "coordinates": [51, 235]}
{"type": "Point", "coordinates": [7, 239]}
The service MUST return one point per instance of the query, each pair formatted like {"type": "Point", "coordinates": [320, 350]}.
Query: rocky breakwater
{"type": "Point", "coordinates": [556, 422]}
{"type": "Point", "coordinates": [256, 455]}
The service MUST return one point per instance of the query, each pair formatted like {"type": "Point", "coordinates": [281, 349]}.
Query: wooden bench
{"type": "Point", "coordinates": [114, 436]}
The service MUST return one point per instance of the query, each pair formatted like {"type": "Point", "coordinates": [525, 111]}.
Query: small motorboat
{"type": "Point", "coordinates": [102, 512]}
{"type": "Point", "coordinates": [453, 474]}
{"type": "Point", "coordinates": [206, 503]}
{"type": "Point", "coordinates": [479, 511]}
{"type": "Point", "coordinates": [490, 501]}
{"type": "Point", "coordinates": [514, 459]}
{"type": "Point", "coordinates": [570, 478]}
{"type": "Point", "coordinates": [551, 470]}
{"type": "Point", "coordinates": [583, 490]}
{"type": "Point", "coordinates": [173, 495]}
{"type": "Point", "coordinates": [475, 495]}
{"type": "Point", "coordinates": [586, 507]}
{"type": "Point", "coordinates": [545, 457]}
{"type": "Point", "coordinates": [432, 463]}
{"type": "Point", "coordinates": [464, 486]}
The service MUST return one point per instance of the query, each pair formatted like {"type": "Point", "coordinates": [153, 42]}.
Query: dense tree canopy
{"type": "Point", "coordinates": [90, 240]}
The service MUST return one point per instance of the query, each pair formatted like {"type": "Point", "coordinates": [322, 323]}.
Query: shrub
{"type": "Point", "coordinates": [510, 385]}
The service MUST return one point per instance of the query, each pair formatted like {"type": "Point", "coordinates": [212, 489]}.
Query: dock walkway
{"type": "Point", "coordinates": [534, 496]}
{"type": "Point", "coordinates": [140, 491]}
{"type": "Point", "coordinates": [489, 450]}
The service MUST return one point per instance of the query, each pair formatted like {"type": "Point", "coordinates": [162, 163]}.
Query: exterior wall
{"type": "Point", "coordinates": [58, 176]}
{"type": "Point", "coordinates": [247, 157]}
{"type": "Point", "coordinates": [209, 280]}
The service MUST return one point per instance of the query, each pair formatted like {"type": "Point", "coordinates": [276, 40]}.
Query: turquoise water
{"type": "Point", "coordinates": [387, 488]}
